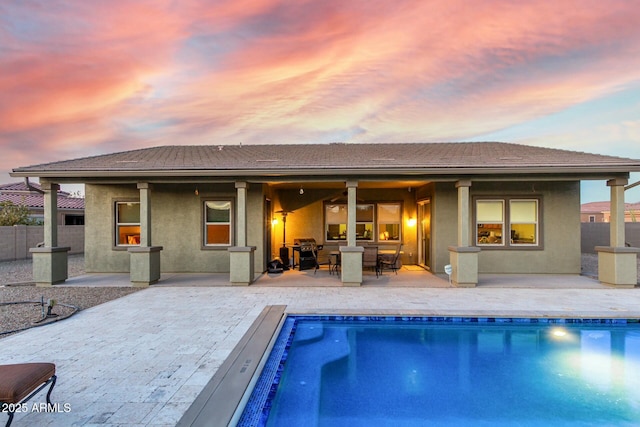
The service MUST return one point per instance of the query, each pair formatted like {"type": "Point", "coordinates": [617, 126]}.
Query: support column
{"type": "Point", "coordinates": [144, 260]}
{"type": "Point", "coordinates": [50, 264]}
{"type": "Point", "coordinates": [617, 264]}
{"type": "Point", "coordinates": [241, 257]}
{"type": "Point", "coordinates": [464, 257]}
{"type": "Point", "coordinates": [351, 255]}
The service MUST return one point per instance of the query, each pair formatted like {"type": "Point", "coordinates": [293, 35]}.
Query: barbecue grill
{"type": "Point", "coordinates": [305, 247]}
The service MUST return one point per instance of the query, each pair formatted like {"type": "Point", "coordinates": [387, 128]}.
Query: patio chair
{"type": "Point", "coordinates": [391, 263]}
{"type": "Point", "coordinates": [318, 260]}
{"type": "Point", "coordinates": [20, 382]}
{"type": "Point", "coordinates": [370, 258]}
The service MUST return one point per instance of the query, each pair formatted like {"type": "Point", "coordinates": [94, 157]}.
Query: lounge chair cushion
{"type": "Point", "coordinates": [19, 380]}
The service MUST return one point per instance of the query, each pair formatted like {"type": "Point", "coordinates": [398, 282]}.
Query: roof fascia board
{"type": "Point", "coordinates": [515, 171]}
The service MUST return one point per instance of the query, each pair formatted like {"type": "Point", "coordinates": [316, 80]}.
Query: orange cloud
{"type": "Point", "coordinates": [100, 76]}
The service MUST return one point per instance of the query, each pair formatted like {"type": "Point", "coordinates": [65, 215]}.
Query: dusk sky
{"type": "Point", "coordinates": [81, 78]}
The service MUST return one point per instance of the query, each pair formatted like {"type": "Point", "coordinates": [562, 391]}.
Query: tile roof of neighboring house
{"type": "Point", "coordinates": [18, 193]}
{"type": "Point", "coordinates": [436, 158]}
{"type": "Point", "coordinates": [599, 207]}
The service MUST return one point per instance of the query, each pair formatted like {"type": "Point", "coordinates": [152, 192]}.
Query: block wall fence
{"type": "Point", "coordinates": [16, 241]}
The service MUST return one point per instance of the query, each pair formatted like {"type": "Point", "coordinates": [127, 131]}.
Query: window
{"type": "Point", "coordinates": [217, 217]}
{"type": "Point", "coordinates": [490, 222]}
{"type": "Point", "coordinates": [389, 221]}
{"type": "Point", "coordinates": [127, 223]}
{"type": "Point", "coordinates": [336, 222]}
{"type": "Point", "coordinates": [592, 218]}
{"type": "Point", "coordinates": [382, 221]}
{"type": "Point", "coordinates": [523, 217]}
{"type": "Point", "coordinates": [519, 216]}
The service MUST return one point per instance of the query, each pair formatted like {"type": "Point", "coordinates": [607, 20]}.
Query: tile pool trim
{"type": "Point", "coordinates": [258, 405]}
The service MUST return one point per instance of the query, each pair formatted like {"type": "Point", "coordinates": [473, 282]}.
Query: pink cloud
{"type": "Point", "coordinates": [111, 75]}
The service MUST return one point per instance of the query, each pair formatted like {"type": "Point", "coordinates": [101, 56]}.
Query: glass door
{"type": "Point", "coordinates": [424, 234]}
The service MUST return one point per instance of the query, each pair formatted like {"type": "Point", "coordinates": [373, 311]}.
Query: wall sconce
{"type": "Point", "coordinates": [411, 222]}
{"type": "Point", "coordinates": [274, 221]}
{"type": "Point", "coordinates": [196, 192]}
{"type": "Point", "coordinates": [301, 191]}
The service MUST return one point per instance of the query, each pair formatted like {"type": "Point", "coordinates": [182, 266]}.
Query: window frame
{"type": "Point", "coordinates": [375, 224]}
{"type": "Point", "coordinates": [379, 222]}
{"type": "Point", "coordinates": [231, 223]}
{"type": "Point", "coordinates": [506, 243]}
{"type": "Point", "coordinates": [117, 224]}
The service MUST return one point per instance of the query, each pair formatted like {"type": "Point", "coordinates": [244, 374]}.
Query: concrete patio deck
{"type": "Point", "coordinates": [142, 359]}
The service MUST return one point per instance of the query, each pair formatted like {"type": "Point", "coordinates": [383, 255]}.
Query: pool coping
{"type": "Point", "coordinates": [220, 399]}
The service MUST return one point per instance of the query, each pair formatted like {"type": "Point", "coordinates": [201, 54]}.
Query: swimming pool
{"type": "Point", "coordinates": [408, 371]}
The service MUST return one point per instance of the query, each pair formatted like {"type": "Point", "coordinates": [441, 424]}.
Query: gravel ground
{"type": "Point", "coordinates": [16, 286]}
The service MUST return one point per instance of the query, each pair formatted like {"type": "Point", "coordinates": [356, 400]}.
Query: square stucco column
{"type": "Point", "coordinates": [241, 257]}
{"type": "Point", "coordinates": [617, 264]}
{"type": "Point", "coordinates": [351, 255]}
{"type": "Point", "coordinates": [351, 268]}
{"type": "Point", "coordinates": [464, 257]}
{"type": "Point", "coordinates": [242, 271]}
{"type": "Point", "coordinates": [144, 260]}
{"type": "Point", "coordinates": [144, 265]}
{"type": "Point", "coordinates": [50, 264]}
{"type": "Point", "coordinates": [618, 267]}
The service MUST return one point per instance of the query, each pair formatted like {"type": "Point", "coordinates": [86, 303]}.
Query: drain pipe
{"type": "Point", "coordinates": [31, 187]}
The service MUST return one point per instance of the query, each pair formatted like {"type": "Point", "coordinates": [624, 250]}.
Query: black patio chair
{"type": "Point", "coordinates": [370, 258]}
{"type": "Point", "coordinates": [391, 263]}
{"type": "Point", "coordinates": [320, 260]}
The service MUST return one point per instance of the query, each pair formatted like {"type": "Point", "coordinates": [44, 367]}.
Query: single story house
{"type": "Point", "coordinates": [479, 207]}
{"type": "Point", "coordinates": [601, 212]}
{"type": "Point", "coordinates": [31, 195]}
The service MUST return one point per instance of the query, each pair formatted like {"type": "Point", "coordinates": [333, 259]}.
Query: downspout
{"type": "Point", "coordinates": [31, 187]}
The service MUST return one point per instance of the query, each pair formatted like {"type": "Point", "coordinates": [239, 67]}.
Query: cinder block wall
{"type": "Point", "coordinates": [16, 241]}
{"type": "Point", "coordinates": [597, 234]}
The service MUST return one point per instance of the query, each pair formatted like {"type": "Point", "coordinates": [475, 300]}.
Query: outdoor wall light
{"type": "Point", "coordinates": [411, 222]}
{"type": "Point", "coordinates": [196, 192]}
{"type": "Point", "coordinates": [301, 191]}
{"type": "Point", "coordinates": [274, 221]}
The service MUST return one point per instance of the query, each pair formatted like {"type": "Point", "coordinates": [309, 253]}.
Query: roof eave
{"type": "Point", "coordinates": [446, 171]}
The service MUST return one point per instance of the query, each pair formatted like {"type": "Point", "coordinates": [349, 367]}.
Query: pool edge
{"type": "Point", "coordinates": [218, 402]}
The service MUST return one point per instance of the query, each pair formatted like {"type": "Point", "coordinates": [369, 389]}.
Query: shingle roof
{"type": "Point", "coordinates": [19, 194]}
{"type": "Point", "coordinates": [491, 157]}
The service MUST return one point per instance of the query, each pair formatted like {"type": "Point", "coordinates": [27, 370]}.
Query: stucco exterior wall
{"type": "Point", "coordinates": [177, 225]}
{"type": "Point", "coordinates": [560, 228]}
{"type": "Point", "coordinates": [444, 224]}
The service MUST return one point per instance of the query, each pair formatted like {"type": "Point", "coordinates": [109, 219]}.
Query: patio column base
{"type": "Point", "coordinates": [242, 270]}
{"type": "Point", "coordinates": [464, 266]}
{"type": "Point", "coordinates": [617, 266]}
{"type": "Point", "coordinates": [50, 265]}
{"type": "Point", "coordinates": [144, 265]}
{"type": "Point", "coordinates": [351, 259]}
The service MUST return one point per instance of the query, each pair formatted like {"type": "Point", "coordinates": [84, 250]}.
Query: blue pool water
{"type": "Point", "coordinates": [398, 371]}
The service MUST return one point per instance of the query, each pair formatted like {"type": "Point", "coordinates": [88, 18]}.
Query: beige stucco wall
{"type": "Point", "coordinates": [177, 226]}
{"type": "Point", "coordinates": [560, 227]}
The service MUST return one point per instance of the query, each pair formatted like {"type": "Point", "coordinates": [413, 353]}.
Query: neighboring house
{"type": "Point", "coordinates": [70, 209]}
{"type": "Point", "coordinates": [601, 212]}
{"type": "Point", "coordinates": [482, 207]}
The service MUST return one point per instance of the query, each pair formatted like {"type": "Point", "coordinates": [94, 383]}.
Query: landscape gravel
{"type": "Point", "coordinates": [16, 285]}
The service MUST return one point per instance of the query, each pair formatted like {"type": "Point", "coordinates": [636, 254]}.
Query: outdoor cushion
{"type": "Point", "coordinates": [19, 380]}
